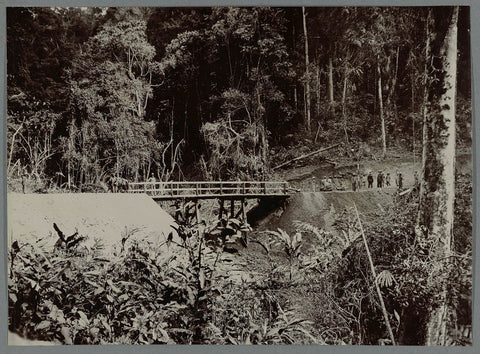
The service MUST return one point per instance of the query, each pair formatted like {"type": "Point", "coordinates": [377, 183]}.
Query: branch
{"type": "Point", "coordinates": [12, 145]}
{"type": "Point", "coordinates": [305, 156]}
{"type": "Point", "coordinates": [372, 268]}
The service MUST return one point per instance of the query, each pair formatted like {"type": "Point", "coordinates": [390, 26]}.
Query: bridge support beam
{"type": "Point", "coordinates": [220, 212]}
{"type": "Point", "coordinates": [232, 208]}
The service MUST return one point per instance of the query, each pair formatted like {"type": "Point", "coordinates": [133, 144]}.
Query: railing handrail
{"type": "Point", "coordinates": [210, 188]}
{"type": "Point", "coordinates": [208, 182]}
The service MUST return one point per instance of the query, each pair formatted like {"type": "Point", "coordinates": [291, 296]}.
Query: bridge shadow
{"type": "Point", "coordinates": [264, 207]}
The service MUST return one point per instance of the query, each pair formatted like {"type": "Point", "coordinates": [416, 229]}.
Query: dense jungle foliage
{"type": "Point", "coordinates": [214, 93]}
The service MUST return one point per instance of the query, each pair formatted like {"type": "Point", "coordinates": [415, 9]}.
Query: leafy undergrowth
{"type": "Point", "coordinates": [406, 273]}
{"type": "Point", "coordinates": [312, 286]}
{"type": "Point", "coordinates": [77, 295]}
{"type": "Point", "coordinates": [325, 276]}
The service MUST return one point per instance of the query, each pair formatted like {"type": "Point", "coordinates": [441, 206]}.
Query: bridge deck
{"type": "Point", "coordinates": [210, 190]}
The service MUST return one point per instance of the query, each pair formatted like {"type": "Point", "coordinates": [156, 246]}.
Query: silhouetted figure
{"type": "Point", "coordinates": [387, 180]}
{"type": "Point", "coordinates": [400, 180]}
{"type": "Point", "coordinates": [379, 179]}
{"type": "Point", "coordinates": [370, 180]}
{"type": "Point", "coordinates": [354, 183]}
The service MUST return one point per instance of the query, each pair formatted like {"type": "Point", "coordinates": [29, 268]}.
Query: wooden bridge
{"type": "Point", "coordinates": [210, 190]}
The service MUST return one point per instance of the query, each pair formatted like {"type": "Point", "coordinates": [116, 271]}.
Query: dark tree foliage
{"type": "Point", "coordinates": [237, 71]}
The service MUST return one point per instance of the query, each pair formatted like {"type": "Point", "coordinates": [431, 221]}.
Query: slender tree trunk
{"type": "Point", "coordinates": [172, 120]}
{"type": "Point", "coordinates": [307, 76]}
{"type": "Point", "coordinates": [318, 89]}
{"type": "Point", "coordinates": [394, 85]}
{"type": "Point", "coordinates": [69, 175]}
{"type": "Point", "coordinates": [425, 82]}
{"type": "Point", "coordinates": [412, 81]}
{"type": "Point", "coordinates": [294, 45]}
{"type": "Point", "coordinates": [435, 212]}
{"type": "Point", "coordinates": [344, 98]}
{"type": "Point", "coordinates": [391, 104]}
{"type": "Point", "coordinates": [380, 104]}
{"type": "Point", "coordinates": [230, 63]}
{"type": "Point", "coordinates": [295, 97]}
{"type": "Point", "coordinates": [330, 80]}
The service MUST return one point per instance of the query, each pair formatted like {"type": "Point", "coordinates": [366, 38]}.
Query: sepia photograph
{"type": "Point", "coordinates": [239, 175]}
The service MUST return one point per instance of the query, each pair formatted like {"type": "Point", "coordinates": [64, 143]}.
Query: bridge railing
{"type": "Point", "coordinates": [207, 188]}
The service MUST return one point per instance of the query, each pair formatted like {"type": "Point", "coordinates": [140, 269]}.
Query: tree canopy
{"type": "Point", "coordinates": [212, 92]}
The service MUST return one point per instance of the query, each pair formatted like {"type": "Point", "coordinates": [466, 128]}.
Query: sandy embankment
{"type": "Point", "coordinates": [106, 216]}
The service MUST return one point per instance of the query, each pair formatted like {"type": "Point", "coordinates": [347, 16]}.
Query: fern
{"type": "Point", "coordinates": [305, 226]}
{"type": "Point", "coordinates": [385, 278]}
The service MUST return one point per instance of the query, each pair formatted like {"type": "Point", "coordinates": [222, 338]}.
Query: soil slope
{"type": "Point", "coordinates": [316, 208]}
{"type": "Point", "coordinates": [106, 216]}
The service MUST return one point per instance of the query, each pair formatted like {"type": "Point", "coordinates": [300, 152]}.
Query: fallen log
{"type": "Point", "coordinates": [405, 192]}
{"type": "Point", "coordinates": [305, 156]}
{"type": "Point", "coordinates": [330, 162]}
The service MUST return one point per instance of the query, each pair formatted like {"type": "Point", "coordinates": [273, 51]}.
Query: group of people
{"type": "Point", "coordinates": [331, 183]}
{"type": "Point", "coordinates": [117, 184]}
{"type": "Point", "coordinates": [383, 180]}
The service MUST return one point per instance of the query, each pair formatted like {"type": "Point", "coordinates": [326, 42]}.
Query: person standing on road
{"type": "Point", "coordinates": [330, 183]}
{"type": "Point", "coordinates": [400, 180]}
{"type": "Point", "coordinates": [323, 183]}
{"type": "Point", "coordinates": [370, 180]}
{"type": "Point", "coordinates": [379, 179]}
{"type": "Point", "coordinates": [152, 180]}
{"type": "Point", "coordinates": [387, 180]}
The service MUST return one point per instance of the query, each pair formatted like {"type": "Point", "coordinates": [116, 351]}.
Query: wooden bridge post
{"type": "Point", "coordinates": [197, 211]}
{"type": "Point", "coordinates": [244, 213]}
{"type": "Point", "coordinates": [201, 231]}
{"type": "Point", "coordinates": [232, 208]}
{"type": "Point", "coordinates": [220, 213]}
{"type": "Point", "coordinates": [244, 221]}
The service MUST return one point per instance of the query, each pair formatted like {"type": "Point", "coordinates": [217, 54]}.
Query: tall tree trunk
{"type": "Point", "coordinates": [330, 80]}
{"type": "Point", "coordinates": [435, 212]}
{"type": "Point", "coordinates": [412, 87]}
{"type": "Point", "coordinates": [426, 80]}
{"type": "Point", "coordinates": [172, 121]}
{"type": "Point", "coordinates": [307, 76]}
{"type": "Point", "coordinates": [380, 104]}
{"type": "Point", "coordinates": [394, 85]}
{"type": "Point", "coordinates": [295, 97]}
{"type": "Point", "coordinates": [391, 104]}
{"type": "Point", "coordinates": [344, 98]}
{"type": "Point", "coordinates": [318, 88]}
